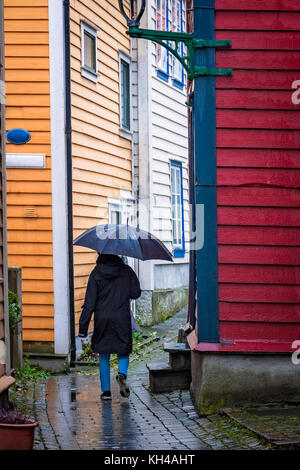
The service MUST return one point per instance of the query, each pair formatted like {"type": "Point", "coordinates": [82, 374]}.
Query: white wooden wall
{"type": "Point", "coordinates": [169, 141]}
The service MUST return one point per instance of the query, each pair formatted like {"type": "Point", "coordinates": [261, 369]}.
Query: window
{"type": "Point", "coordinates": [162, 53]}
{"type": "Point", "coordinates": [178, 26]}
{"type": "Point", "coordinates": [89, 51]}
{"type": "Point", "coordinates": [125, 95]}
{"type": "Point", "coordinates": [170, 16]}
{"type": "Point", "coordinates": [177, 210]}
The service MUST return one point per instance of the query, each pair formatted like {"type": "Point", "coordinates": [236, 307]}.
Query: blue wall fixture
{"type": "Point", "coordinates": [18, 136]}
{"type": "Point", "coordinates": [204, 111]}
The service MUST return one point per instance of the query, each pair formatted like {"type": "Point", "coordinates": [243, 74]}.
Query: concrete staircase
{"type": "Point", "coordinates": [174, 375]}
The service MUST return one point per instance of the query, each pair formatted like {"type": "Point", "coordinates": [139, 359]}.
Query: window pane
{"type": "Point", "coordinates": [125, 94]}
{"type": "Point", "coordinates": [176, 201]}
{"type": "Point", "coordinates": [89, 51]}
{"type": "Point", "coordinates": [161, 25]}
{"type": "Point", "coordinates": [115, 217]}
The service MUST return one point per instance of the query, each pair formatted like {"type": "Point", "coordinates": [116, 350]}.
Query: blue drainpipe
{"type": "Point", "coordinates": [204, 112]}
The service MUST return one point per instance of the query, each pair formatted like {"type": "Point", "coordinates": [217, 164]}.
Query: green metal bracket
{"type": "Point", "coordinates": [187, 61]}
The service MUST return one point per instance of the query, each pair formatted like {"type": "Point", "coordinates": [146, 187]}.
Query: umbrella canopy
{"type": "Point", "coordinates": [123, 240]}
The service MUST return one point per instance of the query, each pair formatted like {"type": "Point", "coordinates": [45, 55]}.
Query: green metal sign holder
{"type": "Point", "coordinates": [170, 40]}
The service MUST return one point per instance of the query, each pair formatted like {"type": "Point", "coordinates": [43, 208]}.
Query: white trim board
{"type": "Point", "coordinates": [59, 178]}
{"type": "Point", "coordinates": [25, 160]}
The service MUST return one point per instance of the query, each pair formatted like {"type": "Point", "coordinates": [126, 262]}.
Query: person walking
{"type": "Point", "coordinates": [111, 286]}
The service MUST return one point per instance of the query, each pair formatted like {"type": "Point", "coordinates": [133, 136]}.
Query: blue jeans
{"type": "Point", "coordinates": [104, 366]}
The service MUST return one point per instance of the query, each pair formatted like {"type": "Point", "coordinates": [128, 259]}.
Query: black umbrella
{"type": "Point", "coordinates": [123, 240]}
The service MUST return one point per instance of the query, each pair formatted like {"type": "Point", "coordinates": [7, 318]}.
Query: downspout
{"type": "Point", "coordinates": [68, 134]}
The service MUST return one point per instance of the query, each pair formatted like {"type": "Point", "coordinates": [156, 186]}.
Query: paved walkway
{"type": "Point", "coordinates": [71, 414]}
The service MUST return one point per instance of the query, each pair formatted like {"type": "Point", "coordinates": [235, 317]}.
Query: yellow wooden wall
{"type": "Point", "coordinates": [101, 158]}
{"type": "Point", "coordinates": [28, 106]}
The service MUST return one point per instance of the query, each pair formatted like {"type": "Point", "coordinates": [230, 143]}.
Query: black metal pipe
{"type": "Point", "coordinates": [68, 134]}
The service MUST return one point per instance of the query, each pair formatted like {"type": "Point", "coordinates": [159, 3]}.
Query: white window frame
{"type": "Point", "coordinates": [124, 132]}
{"type": "Point", "coordinates": [92, 30]}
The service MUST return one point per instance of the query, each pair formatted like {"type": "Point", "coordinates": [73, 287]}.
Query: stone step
{"type": "Point", "coordinates": [162, 378]}
{"type": "Point", "coordinates": [179, 355]}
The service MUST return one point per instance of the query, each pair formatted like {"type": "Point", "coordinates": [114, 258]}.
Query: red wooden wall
{"type": "Point", "coordinates": [258, 161]}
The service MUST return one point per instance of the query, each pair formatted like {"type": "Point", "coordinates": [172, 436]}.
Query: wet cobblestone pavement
{"type": "Point", "coordinates": [71, 414]}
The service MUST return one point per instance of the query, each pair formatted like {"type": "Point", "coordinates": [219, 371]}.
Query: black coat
{"type": "Point", "coordinates": [110, 286]}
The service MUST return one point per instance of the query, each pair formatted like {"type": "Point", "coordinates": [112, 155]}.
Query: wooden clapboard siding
{"type": "Point", "coordinates": [28, 106]}
{"type": "Point", "coordinates": [258, 171]}
{"type": "Point", "coordinates": [101, 157]}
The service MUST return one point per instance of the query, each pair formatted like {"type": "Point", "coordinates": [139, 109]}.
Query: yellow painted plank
{"type": "Point", "coordinates": [28, 199]}
{"type": "Point", "coordinates": [28, 174]}
{"type": "Point", "coordinates": [23, 50]}
{"type": "Point", "coordinates": [29, 38]}
{"type": "Point", "coordinates": [81, 107]}
{"type": "Point", "coordinates": [30, 261]}
{"type": "Point", "coordinates": [38, 63]}
{"type": "Point", "coordinates": [117, 158]}
{"type": "Point", "coordinates": [37, 273]}
{"type": "Point", "coordinates": [30, 13]}
{"type": "Point", "coordinates": [91, 96]}
{"type": "Point", "coordinates": [105, 119]}
{"type": "Point", "coordinates": [38, 323]}
{"type": "Point", "coordinates": [90, 211]}
{"type": "Point", "coordinates": [21, 211]}
{"type": "Point", "coordinates": [27, 25]}
{"type": "Point", "coordinates": [28, 100]}
{"type": "Point", "coordinates": [82, 187]}
{"type": "Point", "coordinates": [29, 224]}
{"type": "Point", "coordinates": [37, 298]}
{"type": "Point", "coordinates": [105, 85]}
{"type": "Point", "coordinates": [28, 187]}
{"type": "Point", "coordinates": [29, 3]}
{"type": "Point", "coordinates": [30, 148]}
{"type": "Point", "coordinates": [85, 223]}
{"type": "Point", "coordinates": [99, 179]}
{"type": "Point", "coordinates": [37, 236]}
{"type": "Point", "coordinates": [37, 285]}
{"type": "Point", "coordinates": [27, 76]}
{"type": "Point", "coordinates": [34, 310]}
{"type": "Point", "coordinates": [32, 88]}
{"type": "Point", "coordinates": [83, 269]}
{"type": "Point", "coordinates": [86, 258]}
{"type": "Point", "coordinates": [102, 168]}
{"type": "Point", "coordinates": [26, 112]}
{"type": "Point", "coordinates": [38, 335]}
{"type": "Point", "coordinates": [107, 147]}
{"type": "Point", "coordinates": [29, 249]}
{"type": "Point", "coordinates": [90, 200]}
{"type": "Point", "coordinates": [33, 125]}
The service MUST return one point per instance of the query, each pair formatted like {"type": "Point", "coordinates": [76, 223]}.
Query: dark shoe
{"type": "Point", "coordinates": [106, 395]}
{"type": "Point", "coordinates": [124, 390]}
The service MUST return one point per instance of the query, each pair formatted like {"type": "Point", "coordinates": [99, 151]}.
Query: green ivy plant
{"type": "Point", "coordinates": [14, 309]}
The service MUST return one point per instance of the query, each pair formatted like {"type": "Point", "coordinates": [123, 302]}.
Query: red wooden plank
{"type": "Point", "coordinates": [255, 79]}
{"type": "Point", "coordinates": [281, 5]}
{"type": "Point", "coordinates": [261, 40]}
{"type": "Point", "coordinates": [259, 293]}
{"type": "Point", "coordinates": [259, 331]}
{"type": "Point", "coordinates": [237, 235]}
{"type": "Point", "coordinates": [258, 158]}
{"type": "Point", "coordinates": [250, 346]}
{"type": "Point", "coordinates": [259, 312]}
{"type": "Point", "coordinates": [233, 273]}
{"type": "Point", "coordinates": [261, 60]}
{"type": "Point", "coordinates": [253, 138]}
{"type": "Point", "coordinates": [279, 197]}
{"type": "Point", "coordinates": [257, 119]}
{"type": "Point", "coordinates": [259, 216]}
{"type": "Point", "coordinates": [255, 99]}
{"type": "Point", "coordinates": [259, 176]}
{"type": "Point", "coordinates": [259, 255]}
{"type": "Point", "coordinates": [257, 20]}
